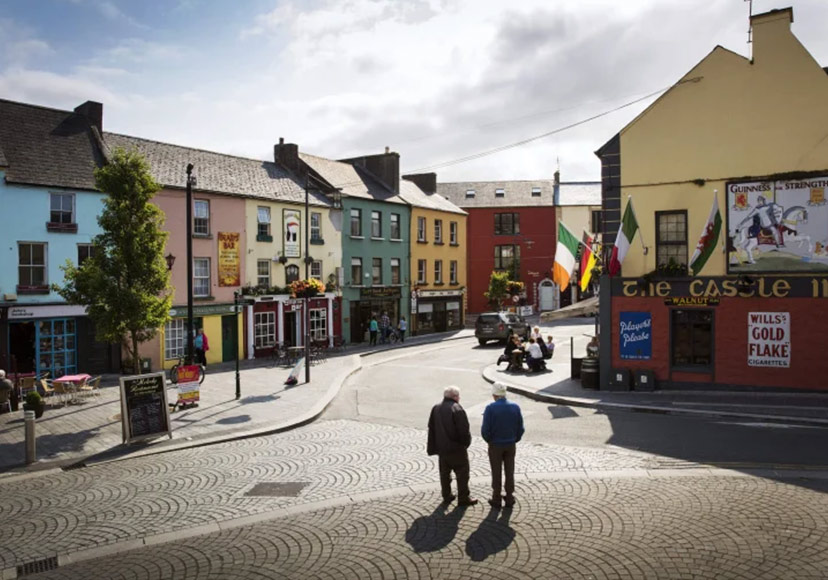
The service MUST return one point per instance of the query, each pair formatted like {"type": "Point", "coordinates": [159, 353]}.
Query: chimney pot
{"type": "Point", "coordinates": [281, 140]}
{"type": "Point", "coordinates": [387, 150]}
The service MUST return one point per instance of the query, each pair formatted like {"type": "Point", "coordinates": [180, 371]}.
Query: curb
{"type": "Point", "coordinates": [639, 408]}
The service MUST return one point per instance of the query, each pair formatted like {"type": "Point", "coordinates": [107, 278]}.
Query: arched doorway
{"type": "Point", "coordinates": [547, 295]}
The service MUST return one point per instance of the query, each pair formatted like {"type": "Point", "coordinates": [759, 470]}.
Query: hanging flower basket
{"type": "Point", "coordinates": [306, 288]}
{"type": "Point", "coordinates": [514, 287]}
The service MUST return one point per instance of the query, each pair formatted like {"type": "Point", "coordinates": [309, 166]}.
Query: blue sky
{"type": "Point", "coordinates": [436, 80]}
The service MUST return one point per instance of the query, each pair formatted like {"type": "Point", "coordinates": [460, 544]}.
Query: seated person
{"type": "Point", "coordinates": [517, 353]}
{"type": "Point", "coordinates": [550, 346]}
{"type": "Point", "coordinates": [507, 351]}
{"type": "Point", "coordinates": [535, 358]}
{"type": "Point", "coordinates": [544, 350]}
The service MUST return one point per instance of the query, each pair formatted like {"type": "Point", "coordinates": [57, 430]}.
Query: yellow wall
{"type": "Point", "coordinates": [431, 252]}
{"type": "Point", "coordinates": [577, 218]}
{"type": "Point", "coordinates": [738, 119]}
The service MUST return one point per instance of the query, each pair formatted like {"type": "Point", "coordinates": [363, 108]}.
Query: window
{"type": "Point", "coordinates": [356, 222]}
{"type": "Point", "coordinates": [438, 271]}
{"type": "Point", "coordinates": [506, 224]}
{"type": "Point", "coordinates": [316, 227]}
{"type": "Point", "coordinates": [395, 270]}
{"type": "Point", "coordinates": [376, 224]}
{"type": "Point", "coordinates": [174, 339]}
{"type": "Point", "coordinates": [500, 192]}
{"type": "Point", "coordinates": [453, 272]}
{"type": "Point", "coordinates": [316, 270]}
{"type": "Point", "coordinates": [85, 251]}
{"type": "Point", "coordinates": [356, 271]}
{"type": "Point", "coordinates": [376, 271]}
{"type": "Point", "coordinates": [691, 336]}
{"type": "Point", "coordinates": [421, 229]}
{"type": "Point", "coordinates": [56, 346]}
{"type": "Point", "coordinates": [263, 273]}
{"type": "Point", "coordinates": [453, 233]}
{"type": "Point", "coordinates": [318, 324]}
{"type": "Point", "coordinates": [201, 276]}
{"type": "Point", "coordinates": [421, 271]}
{"type": "Point", "coordinates": [395, 226]}
{"type": "Point", "coordinates": [505, 256]}
{"type": "Point", "coordinates": [264, 329]}
{"type": "Point", "coordinates": [201, 217]}
{"type": "Point", "coordinates": [536, 192]}
{"type": "Point", "coordinates": [469, 193]}
{"type": "Point", "coordinates": [31, 264]}
{"type": "Point", "coordinates": [596, 222]}
{"type": "Point", "coordinates": [438, 231]}
{"type": "Point", "coordinates": [62, 208]}
{"type": "Point", "coordinates": [671, 237]}
{"type": "Point", "coordinates": [291, 273]}
{"type": "Point", "coordinates": [263, 231]}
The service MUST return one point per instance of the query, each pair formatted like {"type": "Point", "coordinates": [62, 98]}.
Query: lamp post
{"type": "Point", "coordinates": [307, 277]}
{"type": "Point", "coordinates": [190, 182]}
{"type": "Point", "coordinates": [237, 302]}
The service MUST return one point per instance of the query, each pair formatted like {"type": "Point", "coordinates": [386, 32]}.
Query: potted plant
{"type": "Point", "coordinates": [306, 288]}
{"type": "Point", "coordinates": [34, 402]}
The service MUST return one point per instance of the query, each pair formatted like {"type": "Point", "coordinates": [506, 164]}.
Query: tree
{"type": "Point", "coordinates": [125, 283]}
{"type": "Point", "coordinates": [498, 288]}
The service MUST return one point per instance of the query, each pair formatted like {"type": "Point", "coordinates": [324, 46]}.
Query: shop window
{"type": "Point", "coordinates": [356, 222]}
{"type": "Point", "coordinates": [691, 336]}
{"type": "Point", "coordinates": [316, 270]}
{"type": "Point", "coordinates": [421, 271]}
{"type": "Point", "coordinates": [263, 273]}
{"type": "Point", "coordinates": [505, 256]}
{"type": "Point", "coordinates": [671, 237]}
{"type": "Point", "coordinates": [85, 251]}
{"type": "Point", "coordinates": [56, 346]}
{"type": "Point", "coordinates": [175, 339]}
{"type": "Point", "coordinates": [506, 224]}
{"type": "Point", "coordinates": [376, 271]}
{"type": "Point", "coordinates": [453, 233]}
{"type": "Point", "coordinates": [263, 232]}
{"type": "Point", "coordinates": [438, 271]}
{"type": "Point", "coordinates": [395, 227]}
{"type": "Point", "coordinates": [201, 217]}
{"type": "Point", "coordinates": [31, 265]}
{"type": "Point", "coordinates": [395, 270]}
{"type": "Point", "coordinates": [265, 329]}
{"type": "Point", "coordinates": [356, 271]}
{"type": "Point", "coordinates": [438, 231]}
{"type": "Point", "coordinates": [316, 228]}
{"type": "Point", "coordinates": [318, 324]}
{"type": "Point", "coordinates": [425, 317]}
{"type": "Point", "coordinates": [421, 229]}
{"type": "Point", "coordinates": [201, 277]}
{"type": "Point", "coordinates": [453, 272]}
{"type": "Point", "coordinates": [291, 273]}
{"type": "Point", "coordinates": [376, 224]}
{"type": "Point", "coordinates": [453, 314]}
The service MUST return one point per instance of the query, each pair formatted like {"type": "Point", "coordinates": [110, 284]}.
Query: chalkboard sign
{"type": "Point", "coordinates": [144, 410]}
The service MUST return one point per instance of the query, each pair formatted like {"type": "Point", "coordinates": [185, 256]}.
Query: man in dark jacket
{"type": "Point", "coordinates": [502, 429]}
{"type": "Point", "coordinates": [449, 438]}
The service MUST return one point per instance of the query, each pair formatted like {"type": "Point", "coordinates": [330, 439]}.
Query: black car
{"type": "Point", "coordinates": [499, 326]}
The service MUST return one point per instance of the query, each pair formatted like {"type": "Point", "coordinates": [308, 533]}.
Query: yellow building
{"type": "Point", "coordinates": [749, 133]}
{"type": "Point", "coordinates": [438, 257]}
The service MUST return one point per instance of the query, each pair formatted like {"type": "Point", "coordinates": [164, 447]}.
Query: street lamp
{"type": "Point", "coordinates": [308, 260]}
{"type": "Point", "coordinates": [170, 260]}
{"type": "Point", "coordinates": [190, 182]}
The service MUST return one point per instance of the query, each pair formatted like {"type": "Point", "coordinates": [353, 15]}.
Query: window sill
{"type": "Point", "coordinates": [455, 283]}
{"type": "Point", "coordinates": [377, 239]}
{"type": "Point", "coordinates": [454, 244]}
{"type": "Point", "coordinates": [692, 369]}
{"type": "Point", "coordinates": [60, 228]}
{"type": "Point", "coordinates": [203, 236]}
{"type": "Point", "coordinates": [264, 238]}
{"type": "Point", "coordinates": [32, 289]}
{"type": "Point", "coordinates": [439, 244]}
{"type": "Point", "coordinates": [353, 237]}
{"type": "Point", "coordinates": [439, 284]}
{"type": "Point", "coordinates": [422, 241]}
{"type": "Point", "coordinates": [422, 283]}
{"type": "Point", "coordinates": [204, 298]}
{"type": "Point", "coordinates": [317, 241]}
{"type": "Point", "coordinates": [398, 240]}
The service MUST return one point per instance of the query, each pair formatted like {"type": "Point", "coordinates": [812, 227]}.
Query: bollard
{"type": "Point", "coordinates": [31, 449]}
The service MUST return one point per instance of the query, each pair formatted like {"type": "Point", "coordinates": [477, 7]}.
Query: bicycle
{"type": "Point", "coordinates": [393, 336]}
{"type": "Point", "coordinates": [174, 372]}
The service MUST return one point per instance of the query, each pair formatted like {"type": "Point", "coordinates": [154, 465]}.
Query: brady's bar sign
{"type": "Point", "coordinates": [721, 287]}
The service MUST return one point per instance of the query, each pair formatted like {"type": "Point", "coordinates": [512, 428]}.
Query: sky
{"type": "Point", "coordinates": [435, 80]}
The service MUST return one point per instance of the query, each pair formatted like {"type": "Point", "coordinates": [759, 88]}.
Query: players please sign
{"type": "Point", "coordinates": [769, 339]}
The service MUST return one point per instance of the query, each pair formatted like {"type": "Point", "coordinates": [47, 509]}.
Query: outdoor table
{"type": "Point", "coordinates": [75, 381]}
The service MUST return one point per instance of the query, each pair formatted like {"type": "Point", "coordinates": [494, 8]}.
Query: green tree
{"type": "Point", "coordinates": [498, 289]}
{"type": "Point", "coordinates": [124, 284]}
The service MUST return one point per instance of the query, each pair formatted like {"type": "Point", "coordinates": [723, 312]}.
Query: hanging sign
{"type": "Point", "coordinates": [769, 339]}
{"type": "Point", "coordinates": [229, 263]}
{"type": "Point", "coordinates": [291, 236]}
{"type": "Point", "coordinates": [635, 337]}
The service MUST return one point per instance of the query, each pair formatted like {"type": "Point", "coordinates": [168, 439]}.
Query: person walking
{"type": "Point", "coordinates": [502, 429]}
{"type": "Point", "coordinates": [372, 329]}
{"type": "Point", "coordinates": [402, 327]}
{"type": "Point", "coordinates": [201, 346]}
{"type": "Point", "coordinates": [449, 438]}
{"type": "Point", "coordinates": [384, 327]}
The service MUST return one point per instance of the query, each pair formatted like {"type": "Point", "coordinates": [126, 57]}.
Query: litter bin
{"type": "Point", "coordinates": [575, 371]}
{"type": "Point", "coordinates": [146, 365]}
{"type": "Point", "coordinates": [589, 373]}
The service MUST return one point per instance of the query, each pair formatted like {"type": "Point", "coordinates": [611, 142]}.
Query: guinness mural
{"type": "Point", "coordinates": [777, 226]}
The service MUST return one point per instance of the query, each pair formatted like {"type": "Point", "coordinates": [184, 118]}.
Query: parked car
{"type": "Point", "coordinates": [499, 326]}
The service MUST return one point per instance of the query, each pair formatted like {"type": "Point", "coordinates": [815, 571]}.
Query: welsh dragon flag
{"type": "Point", "coordinates": [565, 254]}
{"type": "Point", "coordinates": [626, 232]}
{"type": "Point", "coordinates": [709, 237]}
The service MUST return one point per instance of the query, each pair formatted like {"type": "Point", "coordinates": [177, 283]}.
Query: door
{"type": "Point", "coordinates": [546, 292]}
{"type": "Point", "coordinates": [440, 323]}
{"type": "Point", "coordinates": [228, 337]}
{"type": "Point", "coordinates": [290, 329]}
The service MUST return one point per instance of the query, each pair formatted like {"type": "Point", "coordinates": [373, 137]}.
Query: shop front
{"type": "Point", "coordinates": [372, 302]}
{"type": "Point", "coordinates": [722, 332]}
{"type": "Point", "coordinates": [279, 320]}
{"type": "Point", "coordinates": [437, 311]}
{"type": "Point", "coordinates": [218, 322]}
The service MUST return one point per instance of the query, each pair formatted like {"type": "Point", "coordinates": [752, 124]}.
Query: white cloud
{"type": "Point", "coordinates": [51, 89]}
{"type": "Point", "coordinates": [19, 45]}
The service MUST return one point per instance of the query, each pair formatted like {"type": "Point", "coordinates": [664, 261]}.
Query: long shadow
{"type": "Point", "coordinates": [49, 446]}
{"type": "Point", "coordinates": [435, 531]}
{"type": "Point", "coordinates": [493, 535]}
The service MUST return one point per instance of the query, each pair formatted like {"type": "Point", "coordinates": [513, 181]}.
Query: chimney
{"type": "Point", "coordinates": [767, 31]}
{"type": "Point", "coordinates": [425, 181]}
{"type": "Point", "coordinates": [93, 111]}
{"type": "Point", "coordinates": [287, 155]}
{"type": "Point", "coordinates": [385, 167]}
{"type": "Point", "coordinates": [557, 177]}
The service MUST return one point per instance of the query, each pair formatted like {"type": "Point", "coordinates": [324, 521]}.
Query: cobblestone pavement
{"type": "Point", "coordinates": [61, 512]}
{"type": "Point", "coordinates": [736, 528]}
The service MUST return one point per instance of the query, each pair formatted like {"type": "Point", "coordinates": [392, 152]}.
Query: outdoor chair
{"type": "Point", "coordinates": [48, 390]}
{"type": "Point", "coordinates": [61, 392]}
{"type": "Point", "coordinates": [92, 387]}
{"type": "Point", "coordinates": [27, 384]}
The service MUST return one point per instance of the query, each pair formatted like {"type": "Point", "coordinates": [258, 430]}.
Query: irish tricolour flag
{"type": "Point", "coordinates": [626, 233]}
{"type": "Point", "coordinates": [709, 237]}
{"type": "Point", "coordinates": [564, 257]}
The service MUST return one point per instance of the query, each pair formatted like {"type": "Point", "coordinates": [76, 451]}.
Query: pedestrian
{"type": "Point", "coordinates": [6, 390]}
{"type": "Point", "coordinates": [449, 438]}
{"type": "Point", "coordinates": [502, 429]}
{"type": "Point", "coordinates": [385, 326]}
{"type": "Point", "coordinates": [372, 328]}
{"type": "Point", "coordinates": [201, 346]}
{"type": "Point", "coordinates": [402, 327]}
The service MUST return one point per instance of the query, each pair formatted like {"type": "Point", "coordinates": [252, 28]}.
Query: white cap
{"type": "Point", "coordinates": [499, 390]}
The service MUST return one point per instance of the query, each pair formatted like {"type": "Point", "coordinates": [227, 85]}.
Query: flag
{"type": "Point", "coordinates": [709, 237]}
{"type": "Point", "coordinates": [587, 260]}
{"type": "Point", "coordinates": [564, 257]}
{"type": "Point", "coordinates": [626, 232]}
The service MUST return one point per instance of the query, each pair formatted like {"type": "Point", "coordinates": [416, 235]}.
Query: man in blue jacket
{"type": "Point", "coordinates": [502, 429]}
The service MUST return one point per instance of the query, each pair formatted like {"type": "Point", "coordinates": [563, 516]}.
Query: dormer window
{"type": "Point", "coordinates": [536, 191]}
{"type": "Point", "coordinates": [469, 193]}
{"type": "Point", "coordinates": [500, 192]}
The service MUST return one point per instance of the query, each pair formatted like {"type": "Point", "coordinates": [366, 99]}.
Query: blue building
{"type": "Point", "coordinates": [50, 207]}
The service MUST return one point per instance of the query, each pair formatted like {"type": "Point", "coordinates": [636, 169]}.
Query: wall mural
{"type": "Point", "coordinates": [777, 226]}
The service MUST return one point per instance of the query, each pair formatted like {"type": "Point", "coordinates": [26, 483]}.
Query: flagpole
{"type": "Point", "coordinates": [640, 237]}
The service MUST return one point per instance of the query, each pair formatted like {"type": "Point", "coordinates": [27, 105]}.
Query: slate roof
{"type": "Point", "coordinates": [47, 147]}
{"type": "Point", "coordinates": [415, 196]}
{"type": "Point", "coordinates": [516, 193]}
{"type": "Point", "coordinates": [216, 172]}
{"type": "Point", "coordinates": [354, 181]}
{"type": "Point", "coordinates": [580, 193]}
